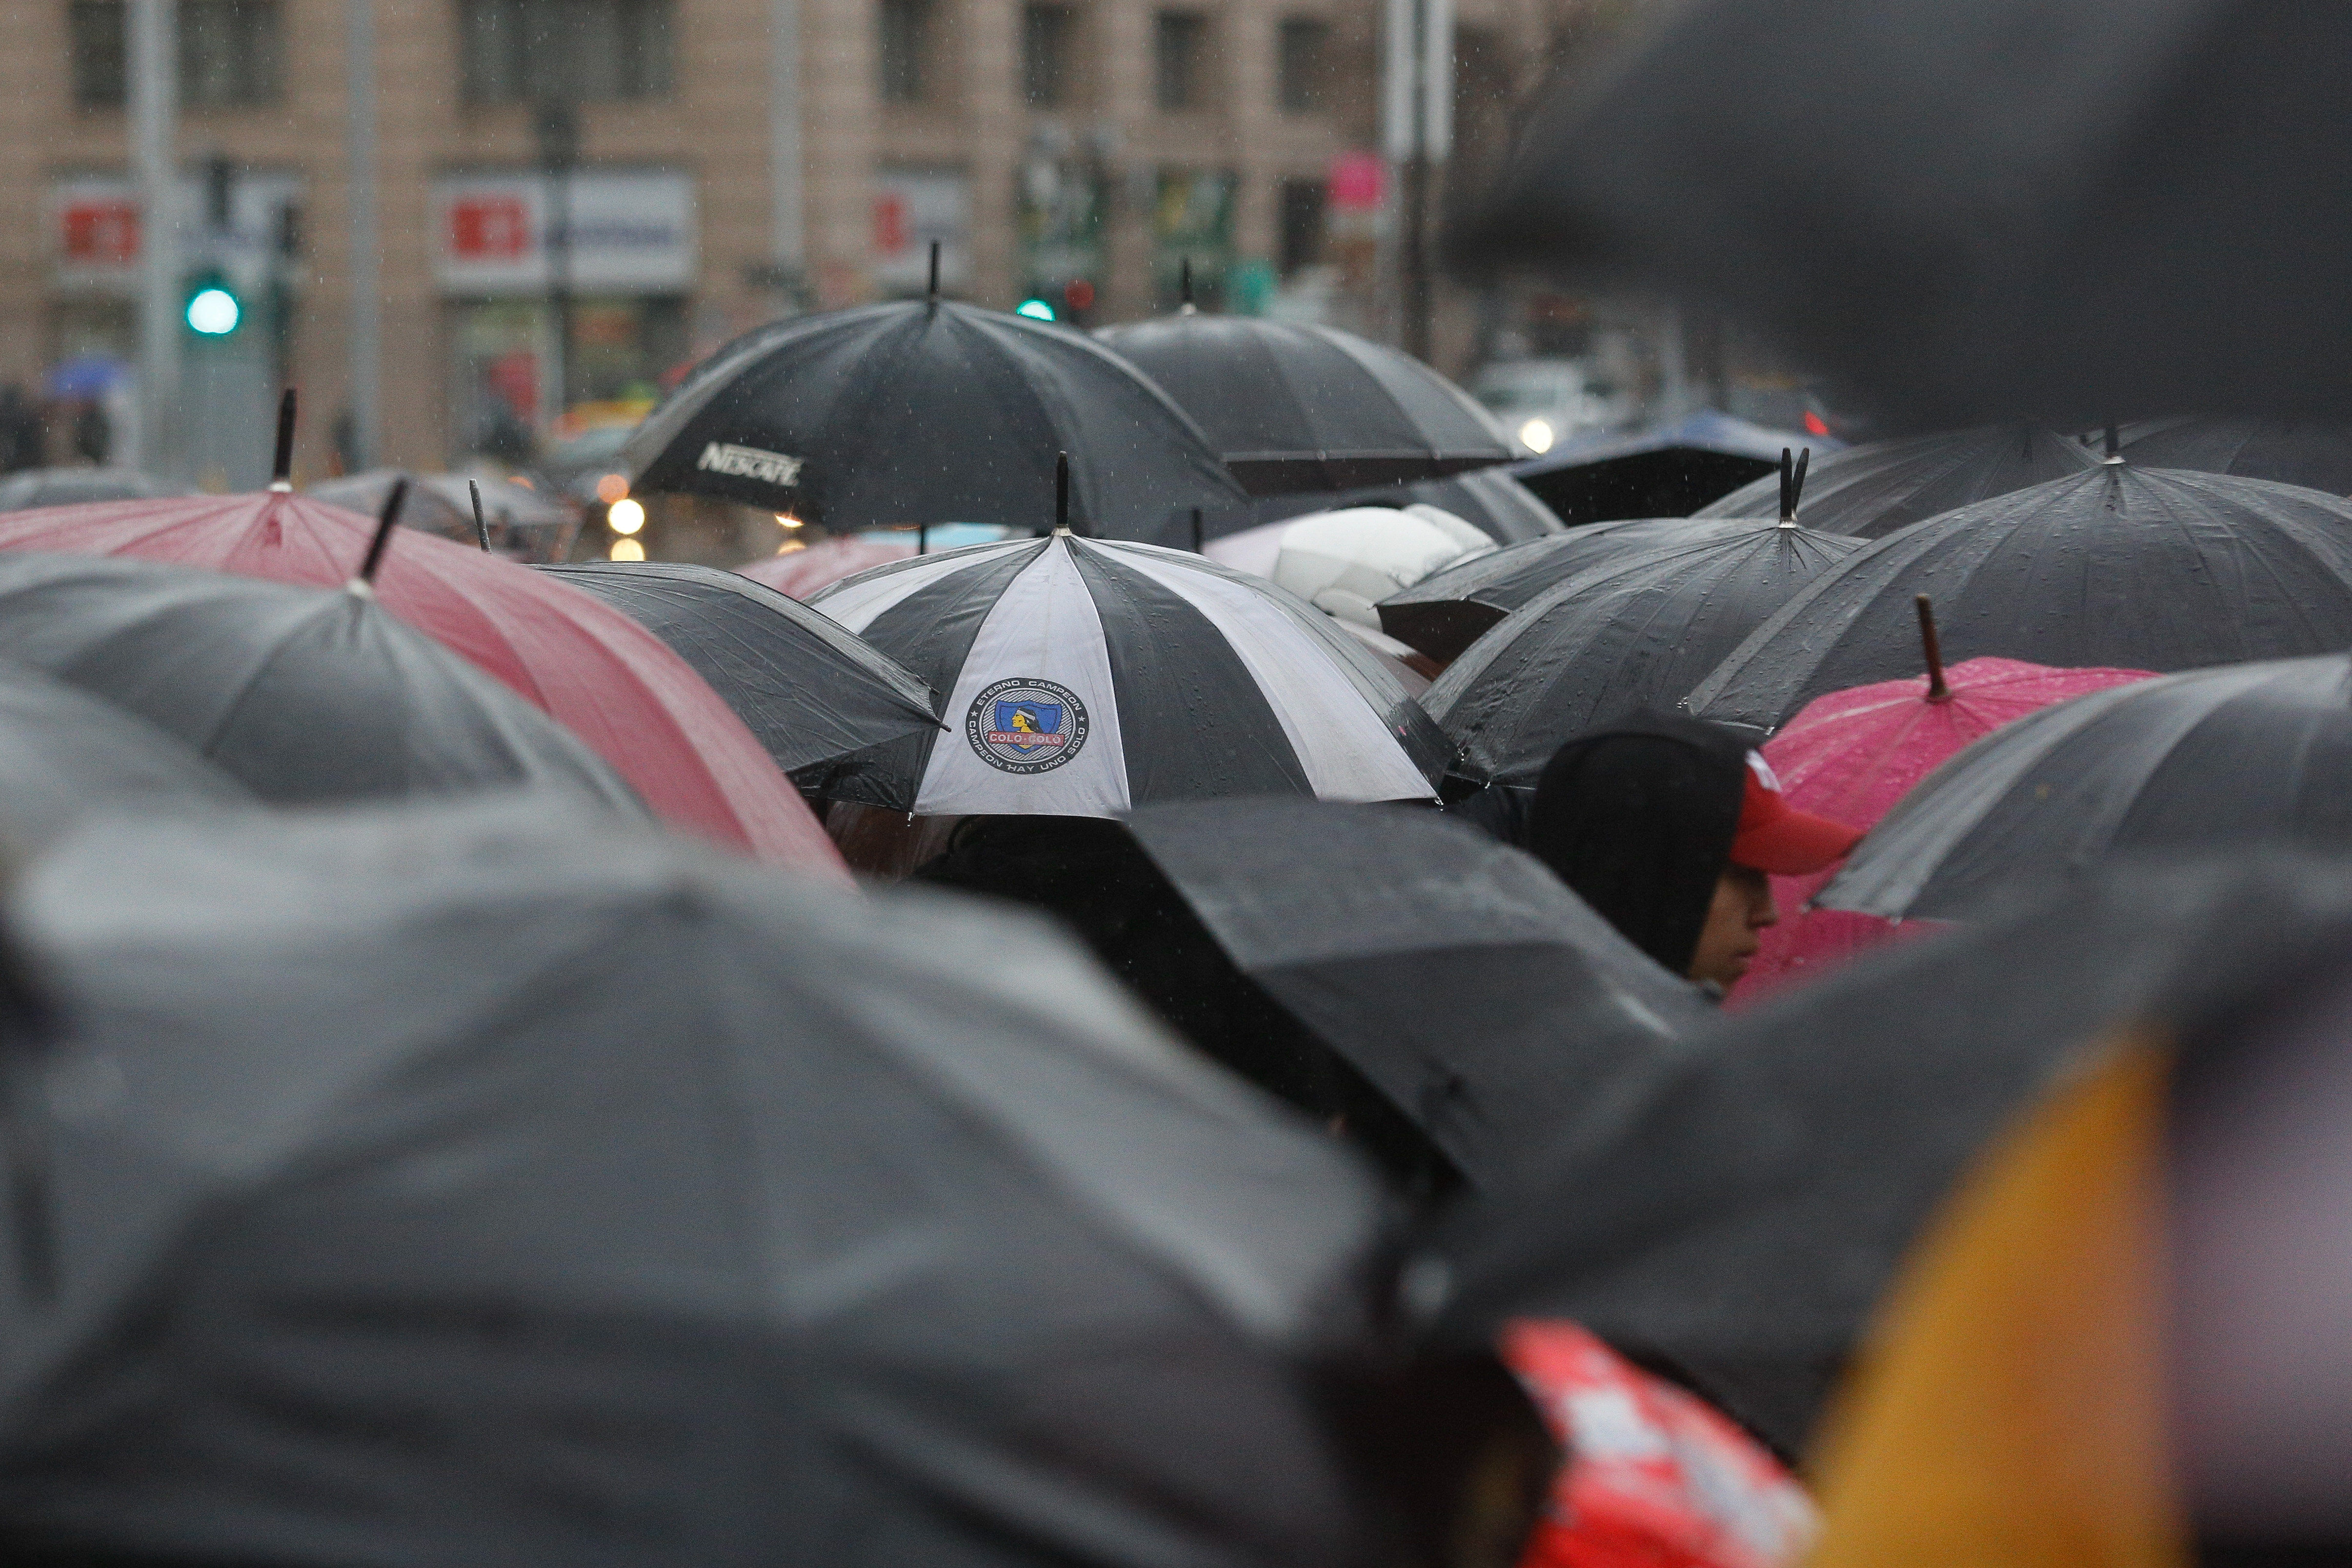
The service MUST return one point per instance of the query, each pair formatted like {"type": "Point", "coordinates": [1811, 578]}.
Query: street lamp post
{"type": "Point", "coordinates": [367, 260]}
{"type": "Point", "coordinates": [559, 156]}
{"type": "Point", "coordinates": [154, 92]}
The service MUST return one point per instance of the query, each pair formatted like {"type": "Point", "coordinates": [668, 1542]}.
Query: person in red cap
{"type": "Point", "coordinates": [1671, 826]}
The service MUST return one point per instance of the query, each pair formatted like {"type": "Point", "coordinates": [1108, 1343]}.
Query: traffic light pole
{"type": "Point", "coordinates": [155, 91]}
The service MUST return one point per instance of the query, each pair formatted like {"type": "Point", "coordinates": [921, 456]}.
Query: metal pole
{"type": "Point", "coordinates": [154, 92]}
{"type": "Point", "coordinates": [558, 153]}
{"type": "Point", "coordinates": [367, 255]}
{"type": "Point", "coordinates": [788, 222]}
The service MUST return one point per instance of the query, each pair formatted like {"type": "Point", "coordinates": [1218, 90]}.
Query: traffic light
{"type": "Point", "coordinates": [212, 310]}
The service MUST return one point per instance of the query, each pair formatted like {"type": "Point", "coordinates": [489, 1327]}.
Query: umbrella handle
{"type": "Point", "coordinates": [364, 583]}
{"type": "Point", "coordinates": [481, 529]}
{"type": "Point", "coordinates": [281, 465]}
{"type": "Point", "coordinates": [935, 272]}
{"type": "Point", "coordinates": [1933, 647]}
{"type": "Point", "coordinates": [1061, 492]}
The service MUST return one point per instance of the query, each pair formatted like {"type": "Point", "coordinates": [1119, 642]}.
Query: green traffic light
{"type": "Point", "coordinates": [214, 311]}
{"type": "Point", "coordinates": [1036, 310]}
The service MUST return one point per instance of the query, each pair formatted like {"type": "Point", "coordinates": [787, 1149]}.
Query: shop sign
{"type": "Point", "coordinates": [1059, 213]}
{"type": "Point", "coordinates": [1192, 220]}
{"type": "Point", "coordinates": [95, 226]}
{"type": "Point", "coordinates": [913, 210]}
{"type": "Point", "coordinates": [631, 231]}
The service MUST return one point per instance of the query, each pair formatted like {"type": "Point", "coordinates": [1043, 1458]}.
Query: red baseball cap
{"type": "Point", "coordinates": [1775, 837]}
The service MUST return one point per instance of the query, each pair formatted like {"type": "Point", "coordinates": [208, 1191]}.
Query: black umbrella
{"type": "Point", "coordinates": [64, 754]}
{"type": "Point", "coordinates": [1447, 611]}
{"type": "Point", "coordinates": [1631, 635]}
{"type": "Point", "coordinates": [73, 486]}
{"type": "Point", "coordinates": [462, 1189]}
{"type": "Point", "coordinates": [1873, 490]}
{"type": "Point", "coordinates": [1747, 1221]}
{"type": "Point", "coordinates": [518, 522]}
{"type": "Point", "coordinates": [816, 694]}
{"type": "Point", "coordinates": [1487, 1002]}
{"type": "Point", "coordinates": [2124, 567]}
{"type": "Point", "coordinates": [921, 412]}
{"type": "Point", "coordinates": [2316, 454]}
{"type": "Point", "coordinates": [300, 694]}
{"type": "Point", "coordinates": [2079, 212]}
{"type": "Point", "coordinates": [1293, 406]}
{"type": "Point", "coordinates": [2245, 754]}
{"type": "Point", "coordinates": [1669, 471]}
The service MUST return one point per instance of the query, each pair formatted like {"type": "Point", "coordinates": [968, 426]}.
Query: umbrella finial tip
{"type": "Point", "coordinates": [282, 487]}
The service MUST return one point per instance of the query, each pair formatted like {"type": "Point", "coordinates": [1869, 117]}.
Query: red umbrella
{"type": "Point", "coordinates": [800, 572]}
{"type": "Point", "coordinates": [613, 684]}
{"type": "Point", "coordinates": [1850, 755]}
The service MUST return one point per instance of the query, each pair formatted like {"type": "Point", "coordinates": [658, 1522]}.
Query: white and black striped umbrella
{"type": "Point", "coordinates": [1088, 676]}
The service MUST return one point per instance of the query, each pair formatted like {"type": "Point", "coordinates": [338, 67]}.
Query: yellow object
{"type": "Point", "coordinates": [2010, 1412]}
{"type": "Point", "coordinates": [625, 516]}
{"type": "Point", "coordinates": [610, 488]}
{"type": "Point", "coordinates": [627, 550]}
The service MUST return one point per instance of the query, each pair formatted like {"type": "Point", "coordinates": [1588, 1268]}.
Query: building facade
{"type": "Point", "coordinates": [1084, 153]}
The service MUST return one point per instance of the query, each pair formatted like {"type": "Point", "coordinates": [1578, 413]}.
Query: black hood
{"type": "Point", "coordinates": [1638, 818]}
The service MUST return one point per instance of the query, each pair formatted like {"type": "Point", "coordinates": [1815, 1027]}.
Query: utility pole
{"type": "Point", "coordinates": [788, 221]}
{"type": "Point", "coordinates": [367, 255]}
{"type": "Point", "coordinates": [155, 93]}
{"type": "Point", "coordinates": [1417, 126]}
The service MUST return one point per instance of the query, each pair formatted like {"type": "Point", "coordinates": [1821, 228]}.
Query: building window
{"type": "Point", "coordinates": [1301, 223]}
{"type": "Point", "coordinates": [579, 50]}
{"type": "Point", "coordinates": [1046, 32]}
{"type": "Point", "coordinates": [1180, 50]}
{"type": "Point", "coordinates": [906, 45]}
{"type": "Point", "coordinates": [231, 53]}
{"type": "Point", "coordinates": [1302, 58]}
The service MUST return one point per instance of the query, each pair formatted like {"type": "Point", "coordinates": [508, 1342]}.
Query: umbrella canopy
{"type": "Point", "coordinates": [2245, 754]}
{"type": "Point", "coordinates": [523, 524]}
{"type": "Point", "coordinates": [641, 1206]}
{"type": "Point", "coordinates": [800, 572]}
{"type": "Point", "coordinates": [298, 694]}
{"type": "Point", "coordinates": [1669, 471]}
{"type": "Point", "coordinates": [2316, 454]}
{"type": "Point", "coordinates": [1851, 755]}
{"type": "Point", "coordinates": [2122, 566]}
{"type": "Point", "coordinates": [1490, 499]}
{"type": "Point", "coordinates": [1748, 1220]}
{"type": "Point", "coordinates": [1873, 490]}
{"type": "Point", "coordinates": [1485, 999]}
{"type": "Point", "coordinates": [69, 487]}
{"type": "Point", "coordinates": [1294, 406]}
{"type": "Point", "coordinates": [65, 754]}
{"type": "Point", "coordinates": [1447, 611]}
{"type": "Point", "coordinates": [606, 679]}
{"type": "Point", "coordinates": [1085, 676]}
{"type": "Point", "coordinates": [1343, 562]}
{"type": "Point", "coordinates": [2017, 211]}
{"type": "Point", "coordinates": [1634, 634]}
{"type": "Point", "coordinates": [921, 412]}
{"type": "Point", "coordinates": [814, 694]}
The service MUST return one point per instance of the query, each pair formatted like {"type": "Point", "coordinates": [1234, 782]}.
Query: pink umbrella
{"type": "Point", "coordinates": [1852, 754]}
{"type": "Point", "coordinates": [801, 572]}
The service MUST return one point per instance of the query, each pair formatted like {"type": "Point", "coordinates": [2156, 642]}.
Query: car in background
{"type": "Point", "coordinates": [1543, 402]}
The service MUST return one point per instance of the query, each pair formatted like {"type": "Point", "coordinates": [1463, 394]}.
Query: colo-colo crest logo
{"type": "Point", "coordinates": [1026, 726]}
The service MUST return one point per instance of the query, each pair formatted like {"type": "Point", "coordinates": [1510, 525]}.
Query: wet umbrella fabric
{"type": "Point", "coordinates": [801, 572]}
{"type": "Point", "coordinates": [1488, 1003]}
{"type": "Point", "coordinates": [815, 695]}
{"type": "Point", "coordinates": [2316, 454]}
{"type": "Point", "coordinates": [1489, 499]}
{"type": "Point", "coordinates": [1670, 471]}
{"type": "Point", "coordinates": [65, 754]}
{"type": "Point", "coordinates": [2016, 211]}
{"type": "Point", "coordinates": [1447, 611]}
{"type": "Point", "coordinates": [598, 673]}
{"type": "Point", "coordinates": [523, 524]}
{"type": "Point", "coordinates": [298, 694]}
{"type": "Point", "coordinates": [1748, 1220]}
{"type": "Point", "coordinates": [642, 1206]}
{"type": "Point", "coordinates": [2121, 566]}
{"type": "Point", "coordinates": [937, 412]}
{"type": "Point", "coordinates": [1294, 406]}
{"type": "Point", "coordinates": [1086, 676]}
{"type": "Point", "coordinates": [1851, 756]}
{"type": "Point", "coordinates": [71, 487]}
{"type": "Point", "coordinates": [1632, 636]}
{"type": "Point", "coordinates": [2243, 755]}
{"type": "Point", "coordinates": [1872, 491]}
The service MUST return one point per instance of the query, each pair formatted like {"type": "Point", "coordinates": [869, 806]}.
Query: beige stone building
{"type": "Point", "coordinates": [1078, 151]}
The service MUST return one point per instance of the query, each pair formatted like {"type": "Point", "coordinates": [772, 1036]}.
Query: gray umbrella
{"type": "Point", "coordinates": [452, 1188]}
{"type": "Point", "coordinates": [522, 522]}
{"type": "Point", "coordinates": [2245, 754]}
{"type": "Point", "coordinates": [1873, 490]}
{"type": "Point", "coordinates": [1749, 1218]}
{"type": "Point", "coordinates": [2074, 210]}
{"type": "Point", "coordinates": [300, 694]}
{"type": "Point", "coordinates": [816, 694]}
{"type": "Point", "coordinates": [2316, 454]}
{"type": "Point", "coordinates": [1465, 981]}
{"type": "Point", "coordinates": [64, 754]}
{"type": "Point", "coordinates": [74, 487]}
{"type": "Point", "coordinates": [2123, 566]}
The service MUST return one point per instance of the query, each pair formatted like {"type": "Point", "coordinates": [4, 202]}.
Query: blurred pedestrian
{"type": "Point", "coordinates": [24, 439]}
{"type": "Point", "coordinates": [1670, 826]}
{"type": "Point", "coordinates": [93, 433]}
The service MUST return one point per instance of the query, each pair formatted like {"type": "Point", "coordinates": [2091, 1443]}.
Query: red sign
{"type": "Point", "coordinates": [1358, 181]}
{"type": "Point", "coordinates": [101, 233]}
{"type": "Point", "coordinates": [892, 232]}
{"type": "Point", "coordinates": [489, 228]}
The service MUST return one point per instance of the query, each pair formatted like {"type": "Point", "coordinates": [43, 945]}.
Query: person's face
{"type": "Point", "coordinates": [1727, 943]}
